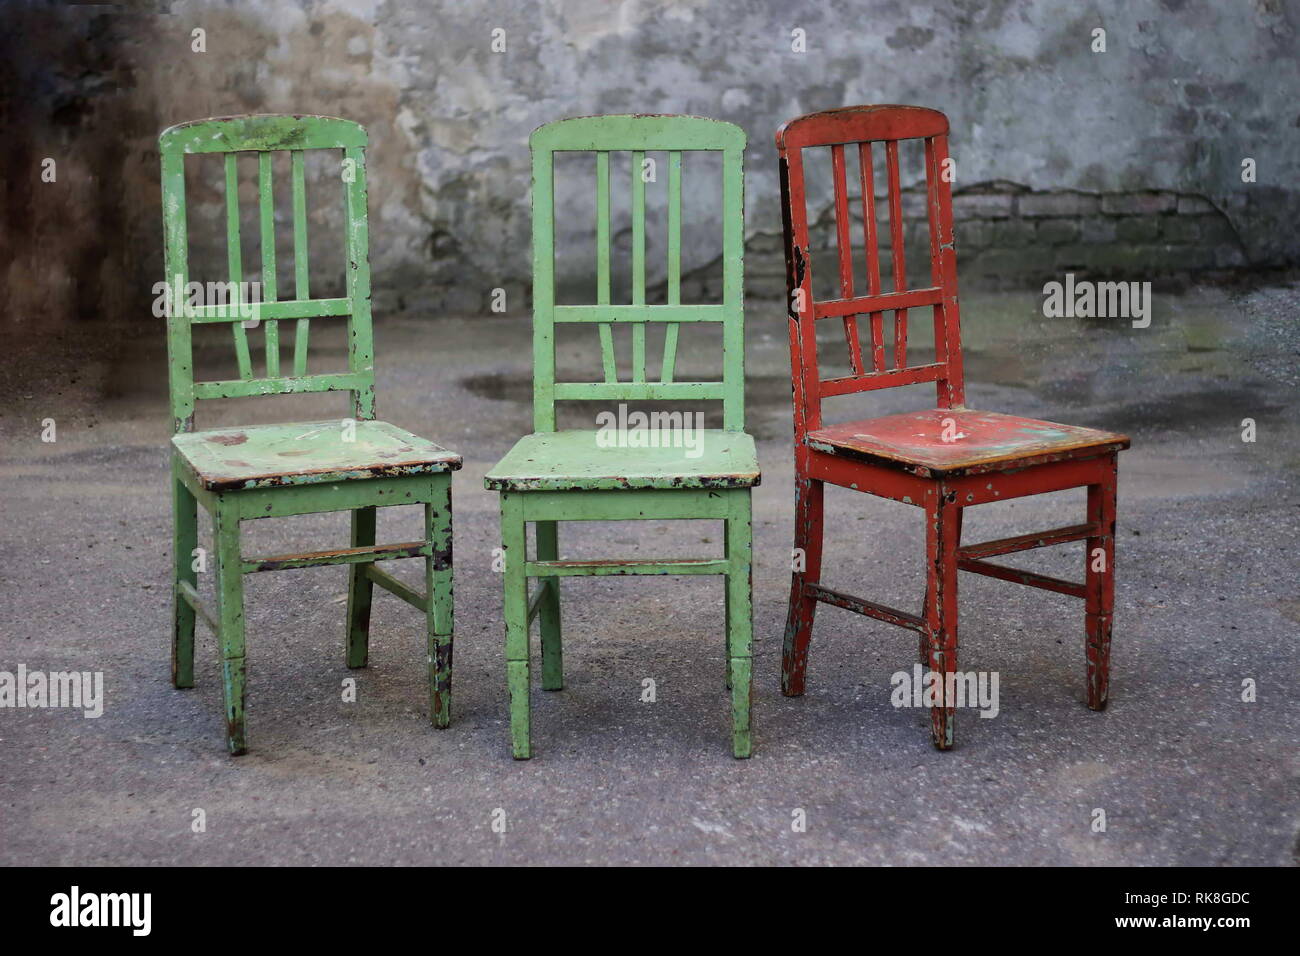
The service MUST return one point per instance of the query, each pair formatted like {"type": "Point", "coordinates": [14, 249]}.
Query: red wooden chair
{"type": "Point", "coordinates": [942, 459]}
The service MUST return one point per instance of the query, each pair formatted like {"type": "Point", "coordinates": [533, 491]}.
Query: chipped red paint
{"type": "Point", "coordinates": [943, 459]}
{"type": "Point", "coordinates": [1099, 599]}
{"type": "Point", "coordinates": [1023, 542]}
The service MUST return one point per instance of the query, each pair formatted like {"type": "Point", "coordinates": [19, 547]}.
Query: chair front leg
{"type": "Point", "coordinates": [925, 644]}
{"type": "Point", "coordinates": [438, 600]}
{"type": "Point", "coordinates": [942, 530]}
{"type": "Point", "coordinates": [807, 568]}
{"type": "Point", "coordinates": [230, 620]}
{"type": "Point", "coordinates": [1099, 592]}
{"type": "Point", "coordinates": [360, 590]}
{"type": "Point", "coordinates": [548, 611]}
{"type": "Point", "coordinates": [514, 545]}
{"type": "Point", "coordinates": [740, 620]}
{"type": "Point", "coordinates": [185, 538]}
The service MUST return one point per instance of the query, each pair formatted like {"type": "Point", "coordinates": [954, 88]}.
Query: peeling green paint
{"type": "Point", "coordinates": [551, 475]}
{"type": "Point", "coordinates": [249, 472]}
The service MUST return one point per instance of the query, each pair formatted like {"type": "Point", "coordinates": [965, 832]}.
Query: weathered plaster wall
{"type": "Point", "coordinates": [1185, 91]}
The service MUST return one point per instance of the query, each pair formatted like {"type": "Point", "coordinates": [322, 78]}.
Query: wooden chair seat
{"type": "Point", "coordinates": [573, 461]}
{"type": "Point", "coordinates": [298, 453]}
{"type": "Point", "coordinates": [948, 442]}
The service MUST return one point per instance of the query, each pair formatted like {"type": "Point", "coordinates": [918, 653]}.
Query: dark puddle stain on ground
{"type": "Point", "coordinates": [146, 457]}
{"type": "Point", "coordinates": [499, 387]}
{"type": "Point", "coordinates": [1212, 408]}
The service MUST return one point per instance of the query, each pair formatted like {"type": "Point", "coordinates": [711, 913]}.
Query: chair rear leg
{"type": "Point", "coordinates": [438, 603]}
{"type": "Point", "coordinates": [514, 543]}
{"type": "Point", "coordinates": [942, 530]}
{"type": "Point", "coordinates": [230, 620]}
{"type": "Point", "coordinates": [809, 496]}
{"type": "Point", "coordinates": [740, 621]}
{"type": "Point", "coordinates": [548, 611]}
{"type": "Point", "coordinates": [1099, 592]}
{"type": "Point", "coordinates": [360, 590]}
{"type": "Point", "coordinates": [185, 538]}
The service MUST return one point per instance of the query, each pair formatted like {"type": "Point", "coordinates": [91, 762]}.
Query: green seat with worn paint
{"type": "Point", "coordinates": [638, 473]}
{"type": "Point", "coordinates": [300, 453]}
{"type": "Point", "coordinates": [575, 460]}
{"type": "Point", "coordinates": [240, 473]}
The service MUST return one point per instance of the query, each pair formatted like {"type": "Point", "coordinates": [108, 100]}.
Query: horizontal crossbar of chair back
{"type": "Point", "coordinates": [264, 136]}
{"type": "Point", "coordinates": [636, 135]}
{"type": "Point", "coordinates": [861, 127]}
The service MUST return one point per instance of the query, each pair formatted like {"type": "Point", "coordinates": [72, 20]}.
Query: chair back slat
{"type": "Point", "coordinates": [896, 250]}
{"type": "Point", "coordinates": [301, 260]}
{"type": "Point", "coordinates": [610, 367]}
{"type": "Point", "coordinates": [265, 136]}
{"type": "Point", "coordinates": [266, 218]}
{"type": "Point", "coordinates": [845, 247]}
{"type": "Point", "coordinates": [674, 293]}
{"type": "Point", "coordinates": [871, 243]}
{"type": "Point", "coordinates": [636, 136]}
{"type": "Point", "coordinates": [638, 263]}
{"type": "Point", "coordinates": [865, 126]}
{"type": "Point", "coordinates": [235, 264]}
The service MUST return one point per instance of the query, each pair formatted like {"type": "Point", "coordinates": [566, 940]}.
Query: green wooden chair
{"type": "Point", "coordinates": [552, 476]}
{"type": "Point", "coordinates": [269, 471]}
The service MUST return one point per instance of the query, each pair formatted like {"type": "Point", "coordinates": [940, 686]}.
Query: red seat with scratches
{"type": "Point", "coordinates": [942, 459]}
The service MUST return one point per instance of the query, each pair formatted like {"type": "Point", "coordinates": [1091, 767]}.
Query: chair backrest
{"type": "Point", "coordinates": [637, 135]}
{"type": "Point", "coordinates": [862, 126]}
{"type": "Point", "coordinates": [265, 135]}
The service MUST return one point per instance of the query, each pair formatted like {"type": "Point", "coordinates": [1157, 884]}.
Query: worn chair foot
{"type": "Point", "coordinates": [941, 728]}
{"type": "Point", "coordinates": [517, 676]}
{"type": "Point", "coordinates": [236, 739]}
{"type": "Point", "coordinates": [440, 648]}
{"type": "Point", "coordinates": [741, 670]}
{"type": "Point", "coordinates": [1098, 697]}
{"type": "Point", "coordinates": [233, 675]}
{"type": "Point", "coordinates": [794, 653]}
{"type": "Point", "coordinates": [794, 665]}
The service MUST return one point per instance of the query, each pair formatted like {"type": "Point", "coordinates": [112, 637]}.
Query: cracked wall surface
{"type": "Point", "coordinates": [1127, 161]}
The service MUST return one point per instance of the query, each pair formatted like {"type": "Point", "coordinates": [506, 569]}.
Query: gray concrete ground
{"type": "Point", "coordinates": [1186, 772]}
